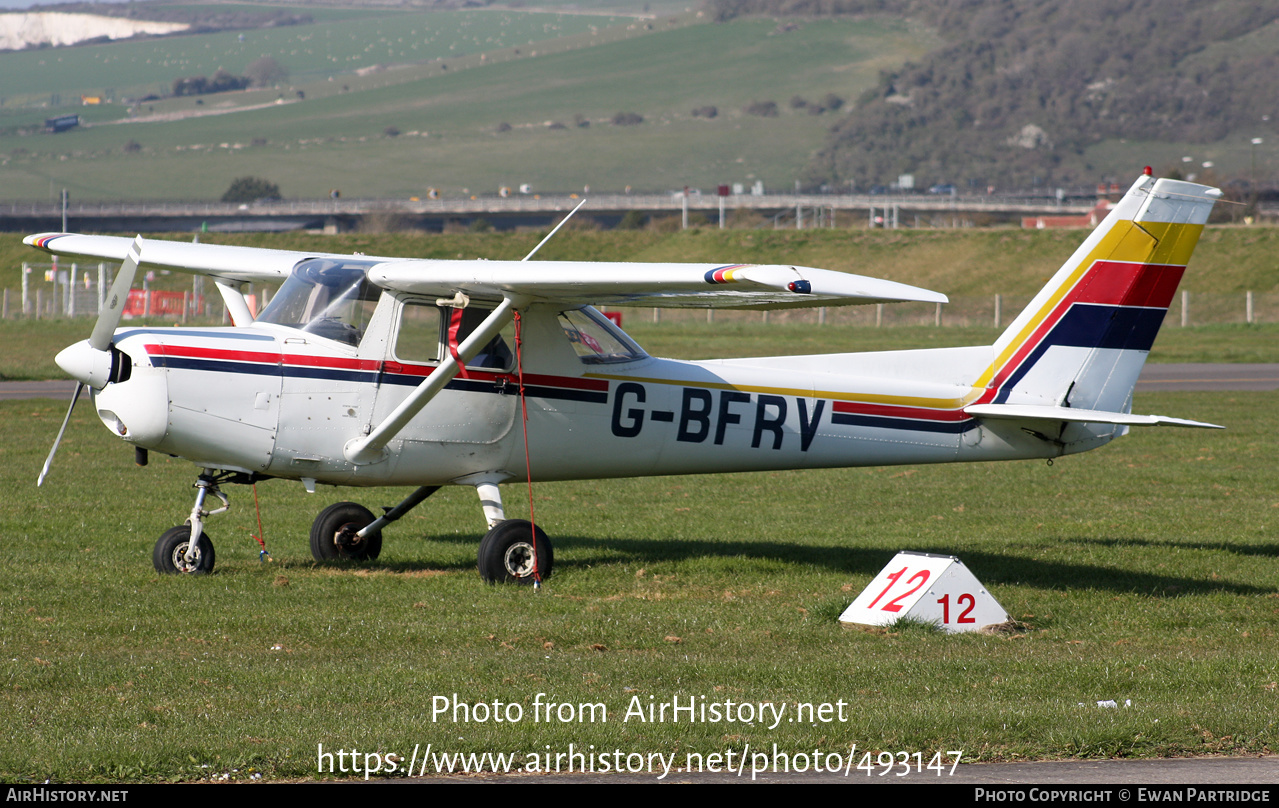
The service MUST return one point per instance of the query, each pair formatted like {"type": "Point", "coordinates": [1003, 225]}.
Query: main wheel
{"type": "Point", "coordinates": [333, 534]}
{"type": "Point", "coordinates": [506, 553]}
{"type": "Point", "coordinates": [169, 556]}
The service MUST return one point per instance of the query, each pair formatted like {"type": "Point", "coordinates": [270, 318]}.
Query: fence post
{"type": "Point", "coordinates": [764, 318]}
{"type": "Point", "coordinates": [879, 314]}
{"type": "Point", "coordinates": [821, 315]}
{"type": "Point", "coordinates": [75, 270]}
{"type": "Point", "coordinates": [39, 301]}
{"type": "Point", "coordinates": [102, 286]}
{"type": "Point", "coordinates": [1248, 307]}
{"type": "Point", "coordinates": [26, 291]}
{"type": "Point", "coordinates": [710, 315]}
{"type": "Point", "coordinates": [999, 304]}
{"type": "Point", "coordinates": [4, 313]}
{"type": "Point", "coordinates": [1185, 308]}
{"type": "Point", "coordinates": [937, 316]}
{"type": "Point", "coordinates": [186, 303]}
{"type": "Point", "coordinates": [657, 315]}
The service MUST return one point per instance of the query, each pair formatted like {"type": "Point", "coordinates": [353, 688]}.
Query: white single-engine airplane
{"type": "Point", "coordinates": [369, 371]}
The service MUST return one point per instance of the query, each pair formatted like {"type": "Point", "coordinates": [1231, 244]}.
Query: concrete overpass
{"type": "Point", "coordinates": [516, 210]}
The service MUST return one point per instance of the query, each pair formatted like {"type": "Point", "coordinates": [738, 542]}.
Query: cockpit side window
{"type": "Point", "coordinates": [497, 354]}
{"type": "Point", "coordinates": [326, 297]}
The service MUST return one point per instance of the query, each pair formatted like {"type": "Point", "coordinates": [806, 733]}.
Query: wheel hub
{"type": "Point", "coordinates": [519, 559]}
{"type": "Point", "coordinates": [180, 558]}
{"type": "Point", "coordinates": [347, 538]}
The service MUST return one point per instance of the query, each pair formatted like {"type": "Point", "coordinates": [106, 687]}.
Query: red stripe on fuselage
{"type": "Point", "coordinates": [349, 363]}
{"type": "Point", "coordinates": [895, 411]}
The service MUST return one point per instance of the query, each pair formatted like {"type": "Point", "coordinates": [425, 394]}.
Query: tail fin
{"type": "Point", "coordinates": [1082, 341]}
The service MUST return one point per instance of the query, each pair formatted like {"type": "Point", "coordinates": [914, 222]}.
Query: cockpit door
{"type": "Point", "coordinates": [478, 406]}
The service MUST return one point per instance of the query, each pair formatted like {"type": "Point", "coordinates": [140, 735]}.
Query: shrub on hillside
{"type": "Point", "coordinates": [251, 189]}
{"type": "Point", "coordinates": [265, 71]}
{"type": "Point", "coordinates": [764, 109]}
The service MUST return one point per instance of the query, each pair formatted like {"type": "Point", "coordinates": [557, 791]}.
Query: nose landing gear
{"type": "Point", "coordinates": [187, 549]}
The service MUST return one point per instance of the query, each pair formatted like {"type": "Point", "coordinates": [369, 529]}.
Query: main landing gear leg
{"type": "Point", "coordinates": [508, 550]}
{"type": "Point", "coordinates": [187, 548]}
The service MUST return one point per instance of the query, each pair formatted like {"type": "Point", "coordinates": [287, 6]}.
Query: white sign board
{"type": "Point", "coordinates": [929, 588]}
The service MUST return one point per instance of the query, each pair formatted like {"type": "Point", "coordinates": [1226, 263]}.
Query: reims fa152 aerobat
{"type": "Point", "coordinates": [367, 371]}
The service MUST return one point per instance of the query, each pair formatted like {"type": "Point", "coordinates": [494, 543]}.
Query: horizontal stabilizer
{"type": "Point", "coordinates": [1033, 412]}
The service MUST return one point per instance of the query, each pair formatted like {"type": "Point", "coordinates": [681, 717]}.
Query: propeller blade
{"type": "Point", "coordinates": [104, 329]}
{"type": "Point", "coordinates": [44, 472]}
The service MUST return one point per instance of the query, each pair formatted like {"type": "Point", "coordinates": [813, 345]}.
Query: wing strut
{"type": "Point", "coordinates": [369, 449]}
{"type": "Point", "coordinates": [236, 307]}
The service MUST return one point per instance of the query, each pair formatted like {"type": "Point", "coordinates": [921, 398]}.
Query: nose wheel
{"type": "Point", "coordinates": [173, 555]}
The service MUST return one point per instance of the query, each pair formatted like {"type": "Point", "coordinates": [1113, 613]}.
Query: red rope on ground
{"type": "Point", "coordinates": [528, 468]}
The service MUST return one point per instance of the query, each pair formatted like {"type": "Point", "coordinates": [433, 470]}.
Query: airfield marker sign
{"type": "Point", "coordinates": [929, 588]}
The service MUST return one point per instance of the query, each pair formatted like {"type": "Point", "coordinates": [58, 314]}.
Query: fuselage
{"type": "Point", "coordinates": [281, 402]}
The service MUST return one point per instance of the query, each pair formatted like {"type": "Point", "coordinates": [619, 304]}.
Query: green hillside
{"type": "Point", "coordinates": [448, 120]}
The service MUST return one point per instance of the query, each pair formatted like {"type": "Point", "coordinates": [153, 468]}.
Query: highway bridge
{"type": "Point", "coordinates": [526, 210]}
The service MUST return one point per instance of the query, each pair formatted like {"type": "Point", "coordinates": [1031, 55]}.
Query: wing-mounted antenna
{"type": "Point", "coordinates": [556, 230]}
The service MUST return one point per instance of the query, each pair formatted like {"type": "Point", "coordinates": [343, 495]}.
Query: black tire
{"type": "Point", "coordinates": [168, 556]}
{"type": "Point", "coordinates": [506, 553]}
{"type": "Point", "coordinates": [333, 534]}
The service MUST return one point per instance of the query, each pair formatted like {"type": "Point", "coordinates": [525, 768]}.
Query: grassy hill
{"type": "Point", "coordinates": [448, 114]}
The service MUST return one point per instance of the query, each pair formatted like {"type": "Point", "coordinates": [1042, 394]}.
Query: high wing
{"type": "Point", "coordinates": [667, 285]}
{"type": "Point", "coordinates": [732, 286]}
{"type": "Point", "coordinates": [239, 264]}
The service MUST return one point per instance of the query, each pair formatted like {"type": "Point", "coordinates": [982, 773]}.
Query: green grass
{"type": "Point", "coordinates": [1144, 571]}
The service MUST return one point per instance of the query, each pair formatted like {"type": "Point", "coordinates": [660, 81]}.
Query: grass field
{"type": "Point", "coordinates": [1141, 572]}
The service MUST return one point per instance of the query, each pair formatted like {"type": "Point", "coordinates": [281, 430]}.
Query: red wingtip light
{"type": "Point", "coordinates": [1148, 172]}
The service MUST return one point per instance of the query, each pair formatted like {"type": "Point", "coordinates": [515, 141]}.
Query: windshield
{"type": "Point", "coordinates": [596, 340]}
{"type": "Point", "coordinates": [327, 297]}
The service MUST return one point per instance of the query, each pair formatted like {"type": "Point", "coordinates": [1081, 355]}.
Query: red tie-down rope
{"type": "Point", "coordinates": [528, 469]}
